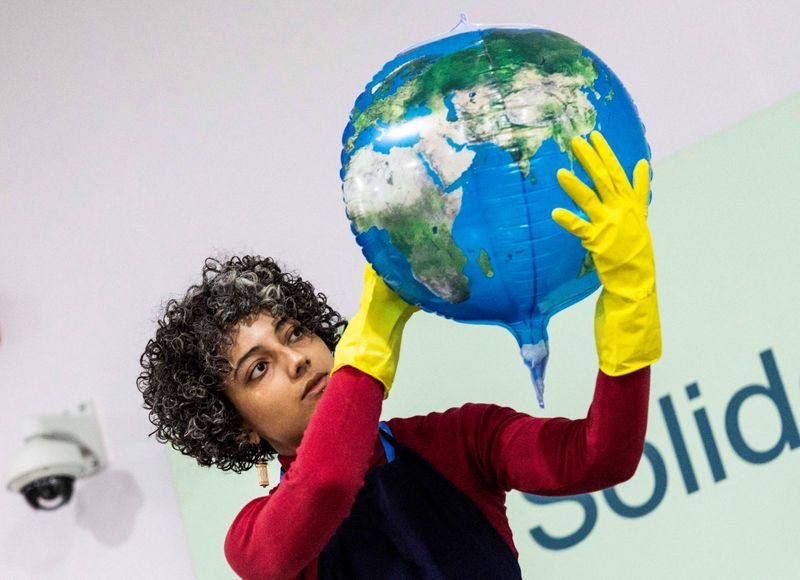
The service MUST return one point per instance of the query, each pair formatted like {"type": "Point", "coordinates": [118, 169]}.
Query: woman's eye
{"type": "Point", "coordinates": [258, 370]}
{"type": "Point", "coordinates": [297, 333]}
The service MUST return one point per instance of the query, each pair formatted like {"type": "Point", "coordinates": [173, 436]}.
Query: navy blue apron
{"type": "Point", "coordinates": [409, 521]}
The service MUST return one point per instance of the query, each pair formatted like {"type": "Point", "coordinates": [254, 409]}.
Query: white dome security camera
{"type": "Point", "coordinates": [58, 450]}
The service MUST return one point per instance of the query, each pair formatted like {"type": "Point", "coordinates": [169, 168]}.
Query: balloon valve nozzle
{"type": "Point", "coordinates": [535, 357]}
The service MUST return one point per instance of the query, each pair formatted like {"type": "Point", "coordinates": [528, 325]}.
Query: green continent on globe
{"type": "Point", "coordinates": [514, 88]}
{"type": "Point", "coordinates": [485, 263]}
{"type": "Point", "coordinates": [395, 193]}
{"type": "Point", "coordinates": [587, 265]}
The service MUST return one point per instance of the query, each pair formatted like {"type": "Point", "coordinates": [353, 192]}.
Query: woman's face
{"type": "Point", "coordinates": [279, 376]}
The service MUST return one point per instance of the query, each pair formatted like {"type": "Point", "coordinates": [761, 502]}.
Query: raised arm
{"type": "Point", "coordinates": [279, 535]}
{"type": "Point", "coordinates": [487, 449]}
{"type": "Point", "coordinates": [558, 456]}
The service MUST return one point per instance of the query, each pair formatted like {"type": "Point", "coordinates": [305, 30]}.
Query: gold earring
{"type": "Point", "coordinates": [261, 468]}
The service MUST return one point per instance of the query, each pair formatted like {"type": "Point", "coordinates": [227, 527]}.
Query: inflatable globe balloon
{"type": "Point", "coordinates": [449, 168]}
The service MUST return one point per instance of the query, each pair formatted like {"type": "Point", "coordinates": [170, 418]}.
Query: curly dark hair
{"type": "Point", "coordinates": [184, 366]}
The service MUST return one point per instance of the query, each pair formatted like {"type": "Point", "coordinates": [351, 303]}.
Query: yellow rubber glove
{"type": "Point", "coordinates": [371, 341]}
{"type": "Point", "coordinates": [627, 328]}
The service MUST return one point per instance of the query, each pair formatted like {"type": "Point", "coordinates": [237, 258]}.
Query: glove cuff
{"type": "Point", "coordinates": [627, 332]}
{"type": "Point", "coordinates": [371, 341]}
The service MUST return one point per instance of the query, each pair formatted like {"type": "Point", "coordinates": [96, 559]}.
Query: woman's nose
{"type": "Point", "coordinates": [298, 362]}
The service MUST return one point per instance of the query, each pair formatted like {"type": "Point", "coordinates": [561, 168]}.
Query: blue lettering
{"type": "Point", "coordinates": [549, 542]}
{"type": "Point", "coordinates": [678, 444]}
{"type": "Point", "coordinates": [789, 435]}
{"type": "Point", "coordinates": [777, 394]}
{"type": "Point", "coordinates": [707, 436]}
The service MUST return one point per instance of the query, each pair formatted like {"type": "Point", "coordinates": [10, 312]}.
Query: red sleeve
{"type": "Point", "coordinates": [557, 456]}
{"type": "Point", "coordinates": [278, 535]}
{"type": "Point", "coordinates": [487, 450]}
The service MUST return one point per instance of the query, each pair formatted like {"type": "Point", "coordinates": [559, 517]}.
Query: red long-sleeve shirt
{"type": "Point", "coordinates": [484, 450]}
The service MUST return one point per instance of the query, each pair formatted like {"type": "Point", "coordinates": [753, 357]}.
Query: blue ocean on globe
{"type": "Point", "coordinates": [449, 168]}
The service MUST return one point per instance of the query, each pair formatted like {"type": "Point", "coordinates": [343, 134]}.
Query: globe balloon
{"type": "Point", "coordinates": [449, 165]}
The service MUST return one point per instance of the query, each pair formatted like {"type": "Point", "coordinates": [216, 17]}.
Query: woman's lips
{"type": "Point", "coordinates": [316, 385]}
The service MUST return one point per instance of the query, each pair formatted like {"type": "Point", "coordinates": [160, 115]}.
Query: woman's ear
{"type": "Point", "coordinates": [254, 437]}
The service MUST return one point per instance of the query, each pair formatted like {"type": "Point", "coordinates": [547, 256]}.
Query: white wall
{"type": "Point", "coordinates": [136, 138]}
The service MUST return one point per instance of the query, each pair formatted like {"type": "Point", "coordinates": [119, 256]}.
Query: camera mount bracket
{"type": "Point", "coordinates": [80, 429]}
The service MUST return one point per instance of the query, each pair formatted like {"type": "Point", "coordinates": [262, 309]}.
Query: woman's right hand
{"type": "Point", "coordinates": [371, 341]}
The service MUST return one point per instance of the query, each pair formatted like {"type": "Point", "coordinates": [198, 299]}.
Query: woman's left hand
{"type": "Point", "coordinates": [627, 327]}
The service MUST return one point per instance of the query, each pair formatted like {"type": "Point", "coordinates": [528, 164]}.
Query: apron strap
{"type": "Point", "coordinates": [388, 448]}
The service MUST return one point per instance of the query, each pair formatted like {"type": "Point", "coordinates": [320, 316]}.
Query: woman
{"type": "Point", "coordinates": [250, 364]}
